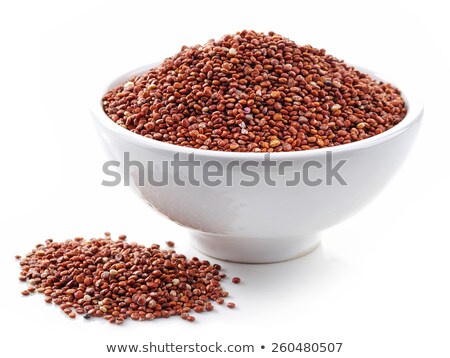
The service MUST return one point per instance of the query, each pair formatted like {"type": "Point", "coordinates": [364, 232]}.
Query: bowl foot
{"type": "Point", "coordinates": [248, 250]}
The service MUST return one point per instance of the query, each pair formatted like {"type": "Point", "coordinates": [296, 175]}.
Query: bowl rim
{"type": "Point", "coordinates": [413, 101]}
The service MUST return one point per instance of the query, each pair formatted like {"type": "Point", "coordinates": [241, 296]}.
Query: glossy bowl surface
{"type": "Point", "coordinates": [262, 222]}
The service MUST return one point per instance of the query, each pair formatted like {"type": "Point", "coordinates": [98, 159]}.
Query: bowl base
{"type": "Point", "coordinates": [248, 250]}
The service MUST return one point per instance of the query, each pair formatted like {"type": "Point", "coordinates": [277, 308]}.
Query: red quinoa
{"type": "Point", "coordinates": [254, 92]}
{"type": "Point", "coordinates": [116, 279]}
{"type": "Point", "coordinates": [236, 280]}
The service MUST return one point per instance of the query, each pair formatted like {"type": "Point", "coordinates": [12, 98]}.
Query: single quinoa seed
{"type": "Point", "coordinates": [18, 257]}
{"type": "Point", "coordinates": [254, 92]}
{"type": "Point", "coordinates": [231, 305]}
{"type": "Point", "coordinates": [170, 243]}
{"type": "Point", "coordinates": [116, 280]}
{"type": "Point", "coordinates": [236, 280]}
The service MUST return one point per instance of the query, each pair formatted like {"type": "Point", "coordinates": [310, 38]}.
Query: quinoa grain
{"type": "Point", "coordinates": [190, 318]}
{"type": "Point", "coordinates": [231, 305]}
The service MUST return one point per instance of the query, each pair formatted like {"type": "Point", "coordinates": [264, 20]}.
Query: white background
{"type": "Point", "coordinates": [379, 283]}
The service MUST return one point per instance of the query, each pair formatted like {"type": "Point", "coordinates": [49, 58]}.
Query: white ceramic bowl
{"type": "Point", "coordinates": [263, 223]}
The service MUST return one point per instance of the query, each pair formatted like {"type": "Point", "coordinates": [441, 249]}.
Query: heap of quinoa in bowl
{"type": "Point", "coordinates": [254, 92]}
{"type": "Point", "coordinates": [256, 107]}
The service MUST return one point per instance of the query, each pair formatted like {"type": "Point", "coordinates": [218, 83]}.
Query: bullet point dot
{"type": "Point", "coordinates": [262, 347]}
